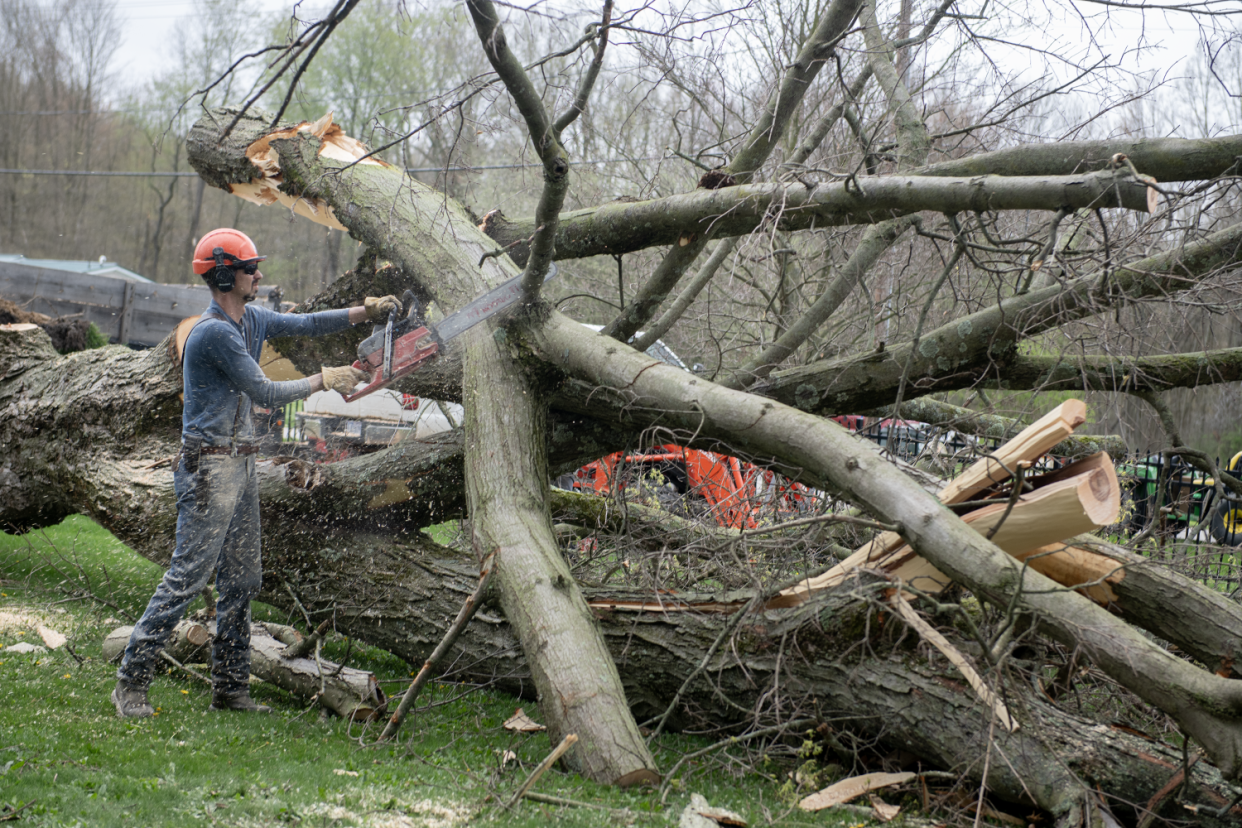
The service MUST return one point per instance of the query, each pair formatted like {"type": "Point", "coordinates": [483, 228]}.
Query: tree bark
{"type": "Point", "coordinates": [574, 675]}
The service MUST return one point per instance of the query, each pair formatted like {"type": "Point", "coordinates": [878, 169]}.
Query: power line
{"type": "Point", "coordinates": [102, 173]}
{"type": "Point", "coordinates": [171, 174]}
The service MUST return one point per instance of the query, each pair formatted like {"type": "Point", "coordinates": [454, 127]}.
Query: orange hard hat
{"type": "Point", "coordinates": [237, 247]}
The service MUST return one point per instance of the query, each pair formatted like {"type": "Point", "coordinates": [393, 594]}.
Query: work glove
{"type": "Point", "coordinates": [379, 306]}
{"type": "Point", "coordinates": [344, 379]}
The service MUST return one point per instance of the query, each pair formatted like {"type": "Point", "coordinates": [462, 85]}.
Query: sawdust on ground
{"type": "Point", "coordinates": [12, 621]}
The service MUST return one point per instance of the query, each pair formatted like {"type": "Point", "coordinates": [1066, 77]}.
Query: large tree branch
{"type": "Point", "coordinates": [623, 227]}
{"type": "Point", "coordinates": [960, 352]}
{"type": "Point", "coordinates": [1104, 373]}
{"type": "Point", "coordinates": [507, 483]}
{"type": "Point", "coordinates": [603, 230]}
{"type": "Point", "coordinates": [1165, 159]}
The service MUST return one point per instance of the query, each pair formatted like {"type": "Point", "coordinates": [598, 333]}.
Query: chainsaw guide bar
{"type": "Point", "coordinates": [402, 345]}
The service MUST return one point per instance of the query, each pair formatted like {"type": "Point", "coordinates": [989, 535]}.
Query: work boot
{"type": "Point", "coordinates": [130, 702]}
{"type": "Point", "coordinates": [238, 700]}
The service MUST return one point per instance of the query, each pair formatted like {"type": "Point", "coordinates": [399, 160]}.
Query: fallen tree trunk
{"type": "Point", "coordinates": [885, 690]}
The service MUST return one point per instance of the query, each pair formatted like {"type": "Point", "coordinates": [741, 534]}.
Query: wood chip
{"type": "Point", "coordinates": [883, 811]}
{"type": "Point", "coordinates": [519, 722]}
{"type": "Point", "coordinates": [50, 637]}
{"type": "Point", "coordinates": [700, 814]}
{"type": "Point", "coordinates": [25, 647]}
{"type": "Point", "coordinates": [841, 792]}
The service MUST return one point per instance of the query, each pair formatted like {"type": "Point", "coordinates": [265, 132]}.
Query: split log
{"type": "Point", "coordinates": [346, 691]}
{"type": "Point", "coordinates": [1081, 498]}
{"type": "Point", "coordinates": [887, 552]}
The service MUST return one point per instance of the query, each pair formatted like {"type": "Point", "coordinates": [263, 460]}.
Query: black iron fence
{"type": "Point", "coordinates": [1165, 495]}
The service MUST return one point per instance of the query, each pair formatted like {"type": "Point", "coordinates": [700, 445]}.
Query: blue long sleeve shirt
{"type": "Point", "coordinates": [223, 380]}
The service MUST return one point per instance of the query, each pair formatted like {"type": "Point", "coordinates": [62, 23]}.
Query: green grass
{"type": "Point", "coordinates": [63, 749]}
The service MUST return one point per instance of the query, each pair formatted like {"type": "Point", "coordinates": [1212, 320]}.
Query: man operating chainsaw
{"type": "Point", "coordinates": [216, 485]}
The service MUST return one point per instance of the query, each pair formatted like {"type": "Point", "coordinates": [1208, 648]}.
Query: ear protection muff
{"type": "Point", "coordinates": [222, 275]}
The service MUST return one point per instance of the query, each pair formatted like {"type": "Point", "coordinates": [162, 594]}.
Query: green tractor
{"type": "Point", "coordinates": [1190, 503]}
{"type": "Point", "coordinates": [1225, 521]}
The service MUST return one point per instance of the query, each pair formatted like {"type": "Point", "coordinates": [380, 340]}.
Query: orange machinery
{"type": "Point", "coordinates": [735, 493]}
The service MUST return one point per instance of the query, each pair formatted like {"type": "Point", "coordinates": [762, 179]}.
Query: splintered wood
{"type": "Point", "coordinates": [959, 661]}
{"type": "Point", "coordinates": [841, 792]}
{"type": "Point", "coordinates": [1082, 497]}
{"type": "Point", "coordinates": [264, 188]}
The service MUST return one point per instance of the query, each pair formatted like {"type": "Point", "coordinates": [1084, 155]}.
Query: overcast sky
{"type": "Point", "coordinates": [1167, 39]}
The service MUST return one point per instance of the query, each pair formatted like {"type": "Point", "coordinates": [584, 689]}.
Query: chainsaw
{"type": "Point", "coordinates": [407, 340]}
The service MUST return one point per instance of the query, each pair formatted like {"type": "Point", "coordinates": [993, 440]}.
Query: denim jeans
{"type": "Point", "coordinates": [217, 532]}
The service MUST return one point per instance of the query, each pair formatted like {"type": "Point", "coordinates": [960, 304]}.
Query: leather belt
{"type": "Point", "coordinates": [231, 451]}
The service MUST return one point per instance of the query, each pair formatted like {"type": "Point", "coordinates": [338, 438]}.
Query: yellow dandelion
{"type": "Point", "coordinates": [183, 692]}
{"type": "Point", "coordinates": [66, 675]}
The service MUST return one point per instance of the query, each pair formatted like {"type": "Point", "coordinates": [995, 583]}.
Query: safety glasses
{"type": "Point", "coordinates": [250, 268]}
